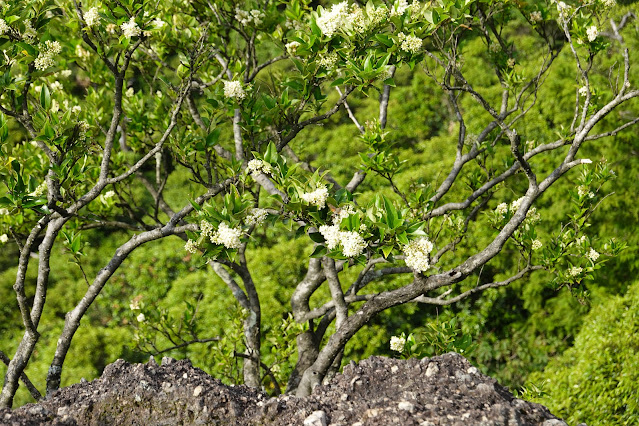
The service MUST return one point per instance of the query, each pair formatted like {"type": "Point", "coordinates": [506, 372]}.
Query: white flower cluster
{"type": "Point", "coordinates": [104, 198]}
{"type": "Point", "coordinates": [328, 60]}
{"type": "Point", "coordinates": [227, 236]}
{"type": "Point", "coordinates": [593, 255]}
{"type": "Point", "coordinates": [536, 16]}
{"type": "Point", "coordinates": [511, 63]}
{"type": "Point", "coordinates": [417, 254]}
{"type": "Point", "coordinates": [592, 33]}
{"type": "Point", "coordinates": [245, 17]}
{"type": "Point", "coordinates": [409, 43]}
{"type": "Point", "coordinates": [514, 206]}
{"type": "Point", "coordinates": [83, 128]}
{"type": "Point", "coordinates": [4, 28]}
{"type": "Point", "coordinates": [609, 3]}
{"type": "Point", "coordinates": [399, 8]}
{"type": "Point", "coordinates": [47, 52]}
{"type": "Point", "coordinates": [40, 190]}
{"type": "Point", "coordinates": [584, 191]}
{"type": "Point", "coordinates": [29, 33]}
{"type": "Point", "coordinates": [141, 317]}
{"type": "Point", "coordinates": [4, 212]}
{"type": "Point", "coordinates": [494, 47]}
{"type": "Point", "coordinates": [536, 245]}
{"type": "Point", "coordinates": [583, 91]}
{"type": "Point", "coordinates": [331, 21]}
{"type": "Point", "coordinates": [564, 10]}
{"type": "Point", "coordinates": [575, 271]}
{"type": "Point", "coordinates": [92, 17]}
{"type": "Point", "coordinates": [397, 344]}
{"type": "Point", "coordinates": [317, 197]}
{"type": "Point", "coordinates": [191, 246]}
{"type": "Point", "coordinates": [256, 217]}
{"type": "Point", "coordinates": [4, 238]}
{"type": "Point", "coordinates": [234, 89]}
{"type": "Point", "coordinates": [130, 29]}
{"type": "Point", "coordinates": [130, 92]}
{"type": "Point", "coordinates": [206, 228]}
{"type": "Point", "coordinates": [352, 243]}
{"type": "Point", "coordinates": [81, 52]}
{"type": "Point", "coordinates": [291, 47]}
{"type": "Point", "coordinates": [255, 167]}
{"type": "Point", "coordinates": [502, 209]}
{"type": "Point", "coordinates": [134, 305]}
{"type": "Point", "coordinates": [342, 214]}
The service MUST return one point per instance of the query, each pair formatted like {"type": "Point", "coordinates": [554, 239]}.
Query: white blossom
{"type": "Point", "coordinates": [249, 17]}
{"type": "Point", "coordinates": [129, 92]}
{"type": "Point", "coordinates": [191, 246]}
{"type": "Point", "coordinates": [206, 228]}
{"type": "Point", "coordinates": [291, 47]}
{"type": "Point", "coordinates": [331, 21]}
{"type": "Point", "coordinates": [494, 48]}
{"type": "Point", "coordinates": [536, 16]}
{"type": "Point", "coordinates": [609, 3]}
{"type": "Point", "coordinates": [111, 28]}
{"type": "Point", "coordinates": [4, 28]}
{"type": "Point", "coordinates": [81, 52]}
{"type": "Point", "coordinates": [234, 89]}
{"type": "Point", "coordinates": [511, 63]}
{"type": "Point", "coordinates": [409, 43]}
{"type": "Point", "coordinates": [227, 236]}
{"type": "Point", "coordinates": [328, 60]}
{"type": "Point", "coordinates": [417, 254]}
{"type": "Point", "coordinates": [514, 206]}
{"type": "Point", "coordinates": [593, 255]}
{"type": "Point", "coordinates": [256, 166]}
{"type": "Point", "coordinates": [47, 51]}
{"type": "Point", "coordinates": [342, 214]}
{"type": "Point", "coordinates": [399, 8]}
{"type": "Point", "coordinates": [536, 245]}
{"type": "Point", "coordinates": [397, 344]}
{"type": "Point", "coordinates": [134, 305]}
{"type": "Point", "coordinates": [158, 23]}
{"type": "Point", "coordinates": [352, 243]}
{"type": "Point", "coordinates": [29, 32]}
{"type": "Point", "coordinates": [502, 209]}
{"type": "Point", "coordinates": [92, 17]}
{"type": "Point", "coordinates": [575, 271]}
{"type": "Point", "coordinates": [4, 212]}
{"type": "Point", "coordinates": [43, 62]}
{"type": "Point", "coordinates": [582, 191]}
{"type": "Point", "coordinates": [76, 109]}
{"type": "Point", "coordinates": [592, 33]}
{"type": "Point", "coordinates": [65, 73]}
{"type": "Point", "coordinates": [130, 28]}
{"type": "Point", "coordinates": [141, 318]}
{"type": "Point", "coordinates": [256, 217]}
{"type": "Point", "coordinates": [56, 86]}
{"type": "Point", "coordinates": [40, 190]}
{"type": "Point", "coordinates": [331, 234]}
{"type": "Point", "coordinates": [583, 91]}
{"type": "Point", "coordinates": [317, 197]}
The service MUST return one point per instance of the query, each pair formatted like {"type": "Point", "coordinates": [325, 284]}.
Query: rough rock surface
{"type": "Point", "coordinates": [443, 390]}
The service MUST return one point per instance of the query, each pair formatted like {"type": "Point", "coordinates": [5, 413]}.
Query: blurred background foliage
{"type": "Point", "coordinates": [585, 352]}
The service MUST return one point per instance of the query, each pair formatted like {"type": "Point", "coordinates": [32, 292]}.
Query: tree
{"type": "Point", "coordinates": [224, 92]}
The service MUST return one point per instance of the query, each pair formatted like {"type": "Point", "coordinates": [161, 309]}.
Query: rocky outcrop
{"type": "Point", "coordinates": [443, 390]}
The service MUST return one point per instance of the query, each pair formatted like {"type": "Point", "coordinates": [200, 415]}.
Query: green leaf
{"type": "Point", "coordinates": [387, 251]}
{"type": "Point", "coordinates": [319, 251]}
{"type": "Point", "coordinates": [45, 97]}
{"type": "Point", "coordinates": [317, 237]}
{"type": "Point", "coordinates": [213, 137]}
